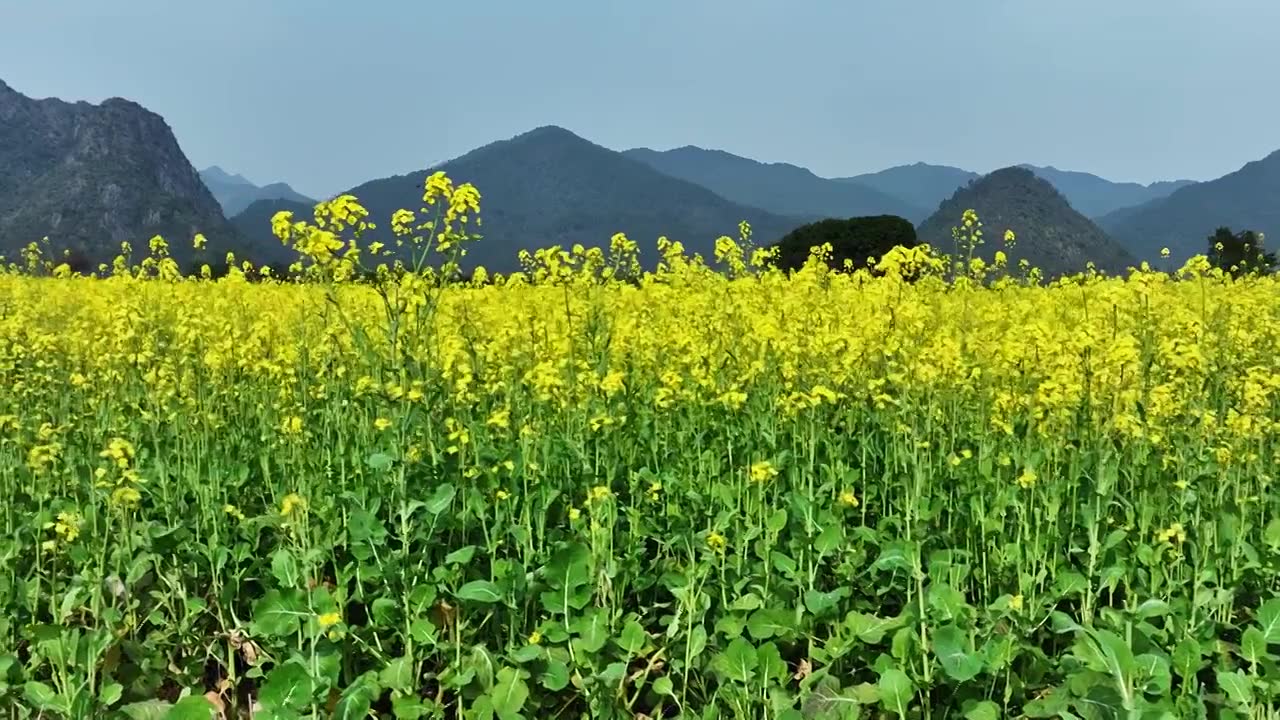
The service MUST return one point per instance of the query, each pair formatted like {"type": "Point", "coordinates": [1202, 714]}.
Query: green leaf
{"type": "Point", "coordinates": [776, 521]}
{"type": "Point", "coordinates": [284, 567]}
{"type": "Point", "coordinates": [951, 645]}
{"type": "Point", "coordinates": [985, 710]}
{"type": "Point", "coordinates": [1152, 608]}
{"type": "Point", "coordinates": [147, 710]}
{"type": "Point", "coordinates": [819, 602]}
{"type": "Point", "coordinates": [1187, 658]}
{"type": "Point", "coordinates": [1269, 620]}
{"type": "Point", "coordinates": [357, 699]}
{"type": "Point", "coordinates": [738, 661]}
{"type": "Point", "coordinates": [42, 697]}
{"type": "Point", "coordinates": [509, 692]}
{"type": "Point", "coordinates": [592, 630]}
{"type": "Point", "coordinates": [770, 622]}
{"type": "Point", "coordinates": [896, 691]}
{"type": "Point", "coordinates": [380, 462]}
{"type": "Point", "coordinates": [192, 707]}
{"type": "Point", "coordinates": [1237, 686]}
{"type": "Point", "coordinates": [829, 539]}
{"type": "Point", "coordinates": [277, 614]}
{"type": "Point", "coordinates": [869, 628]}
{"type": "Point", "coordinates": [288, 687]}
{"type": "Point", "coordinates": [440, 501]}
{"type": "Point", "coordinates": [110, 694]}
{"type": "Point", "coordinates": [398, 674]}
{"type": "Point", "coordinates": [633, 638]}
{"type": "Point", "coordinates": [461, 556]}
{"type": "Point", "coordinates": [1253, 645]}
{"type": "Point", "coordinates": [664, 686]}
{"type": "Point", "coordinates": [481, 591]}
{"type": "Point", "coordinates": [946, 601]}
{"type": "Point", "coordinates": [556, 677]}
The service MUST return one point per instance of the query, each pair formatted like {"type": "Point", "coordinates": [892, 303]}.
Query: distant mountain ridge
{"type": "Point", "coordinates": [920, 184]}
{"type": "Point", "coordinates": [1094, 197]}
{"type": "Point", "coordinates": [1247, 199]}
{"type": "Point", "coordinates": [549, 187]}
{"type": "Point", "coordinates": [1051, 235]}
{"type": "Point", "coordinates": [92, 176]}
{"type": "Point", "coordinates": [779, 188]}
{"type": "Point", "coordinates": [234, 192]}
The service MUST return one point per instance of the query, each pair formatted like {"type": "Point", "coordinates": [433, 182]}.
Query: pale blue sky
{"type": "Point", "coordinates": [327, 94]}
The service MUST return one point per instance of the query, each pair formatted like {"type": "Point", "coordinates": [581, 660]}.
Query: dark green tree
{"type": "Point", "coordinates": [1240, 253]}
{"type": "Point", "coordinates": [854, 239]}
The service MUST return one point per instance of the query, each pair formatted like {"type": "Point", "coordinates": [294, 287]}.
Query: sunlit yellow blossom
{"type": "Point", "coordinates": [292, 505]}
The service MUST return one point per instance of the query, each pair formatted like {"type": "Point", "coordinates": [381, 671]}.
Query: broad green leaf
{"type": "Point", "coordinates": [777, 520]}
{"type": "Point", "coordinates": [284, 567]}
{"type": "Point", "coordinates": [441, 499]}
{"type": "Point", "coordinates": [556, 677]}
{"type": "Point", "coordinates": [985, 710]}
{"type": "Point", "coordinates": [829, 539]}
{"type": "Point", "coordinates": [288, 687]}
{"type": "Point", "coordinates": [42, 697]}
{"type": "Point", "coordinates": [770, 622]}
{"type": "Point", "coordinates": [951, 645]}
{"type": "Point", "coordinates": [1187, 658]}
{"type": "Point", "coordinates": [354, 702]}
{"type": "Point", "coordinates": [818, 602]}
{"type": "Point", "coordinates": [633, 638]}
{"type": "Point", "coordinates": [1152, 608]}
{"type": "Point", "coordinates": [1269, 621]}
{"type": "Point", "coordinates": [110, 694]}
{"type": "Point", "coordinates": [192, 707]}
{"type": "Point", "coordinates": [697, 640]}
{"type": "Point", "coordinates": [1253, 645]}
{"type": "Point", "coordinates": [771, 665]}
{"type": "Point", "coordinates": [481, 591]}
{"type": "Point", "coordinates": [869, 628]}
{"type": "Point", "coordinates": [738, 661]}
{"type": "Point", "coordinates": [1237, 686]}
{"type": "Point", "coordinates": [946, 601]}
{"type": "Point", "coordinates": [592, 630]}
{"type": "Point", "coordinates": [379, 462]}
{"type": "Point", "coordinates": [398, 674]}
{"type": "Point", "coordinates": [664, 686]}
{"type": "Point", "coordinates": [277, 614]}
{"type": "Point", "coordinates": [896, 691]}
{"type": "Point", "coordinates": [147, 710]}
{"type": "Point", "coordinates": [461, 556]}
{"type": "Point", "coordinates": [509, 692]}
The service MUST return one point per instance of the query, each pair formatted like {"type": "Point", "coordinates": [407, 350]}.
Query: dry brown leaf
{"type": "Point", "coordinates": [215, 699]}
{"type": "Point", "coordinates": [803, 670]}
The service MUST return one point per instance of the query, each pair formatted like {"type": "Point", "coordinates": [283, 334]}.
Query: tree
{"type": "Point", "coordinates": [854, 239]}
{"type": "Point", "coordinates": [1240, 254]}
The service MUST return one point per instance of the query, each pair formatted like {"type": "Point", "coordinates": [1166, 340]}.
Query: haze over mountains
{"type": "Point", "coordinates": [235, 192]}
{"type": "Point", "coordinates": [88, 176]}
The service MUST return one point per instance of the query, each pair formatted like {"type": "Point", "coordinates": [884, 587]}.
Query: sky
{"type": "Point", "coordinates": [326, 95]}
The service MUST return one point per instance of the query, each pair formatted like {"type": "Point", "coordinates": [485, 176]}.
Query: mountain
{"type": "Point", "coordinates": [235, 193]}
{"type": "Point", "coordinates": [1094, 196]}
{"type": "Point", "coordinates": [1247, 199]}
{"type": "Point", "coordinates": [1050, 234]}
{"type": "Point", "coordinates": [551, 187]}
{"type": "Point", "coordinates": [919, 184]}
{"type": "Point", "coordinates": [776, 187]}
{"type": "Point", "coordinates": [91, 176]}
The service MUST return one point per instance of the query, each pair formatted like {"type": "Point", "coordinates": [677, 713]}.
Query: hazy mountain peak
{"type": "Point", "coordinates": [780, 188]}
{"type": "Point", "coordinates": [235, 193]}
{"type": "Point", "coordinates": [1051, 235]}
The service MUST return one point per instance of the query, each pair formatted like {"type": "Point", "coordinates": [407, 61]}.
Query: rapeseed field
{"type": "Point", "coordinates": [938, 489]}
